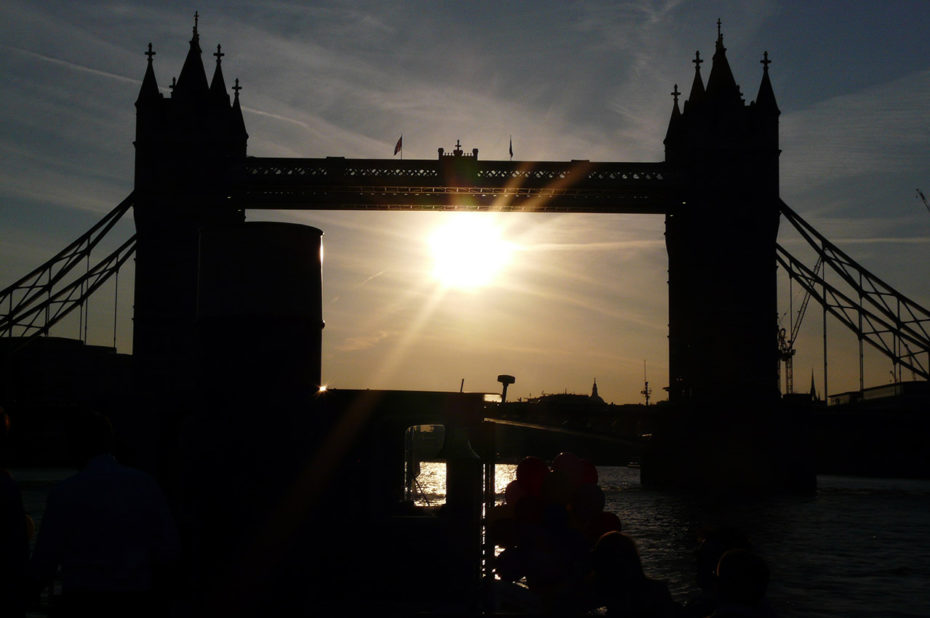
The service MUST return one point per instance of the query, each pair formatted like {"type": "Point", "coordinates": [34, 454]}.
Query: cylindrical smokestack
{"type": "Point", "coordinates": [259, 307]}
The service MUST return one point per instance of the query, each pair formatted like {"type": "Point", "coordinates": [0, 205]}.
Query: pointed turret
{"type": "Point", "coordinates": [721, 86]}
{"type": "Point", "coordinates": [150, 115]}
{"type": "Point", "coordinates": [149, 90]}
{"type": "Point", "coordinates": [193, 79]}
{"type": "Point", "coordinates": [238, 123]}
{"type": "Point", "coordinates": [697, 86]}
{"type": "Point", "coordinates": [674, 123]}
{"type": "Point", "coordinates": [218, 84]}
{"type": "Point", "coordinates": [765, 100]}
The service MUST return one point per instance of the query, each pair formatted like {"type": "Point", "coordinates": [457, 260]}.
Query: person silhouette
{"type": "Point", "coordinates": [742, 579]}
{"type": "Point", "coordinates": [14, 538]}
{"type": "Point", "coordinates": [620, 584]}
{"type": "Point", "coordinates": [714, 543]}
{"type": "Point", "coordinates": [108, 529]}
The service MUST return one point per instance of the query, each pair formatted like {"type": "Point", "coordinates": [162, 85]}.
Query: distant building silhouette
{"type": "Point", "coordinates": [594, 396]}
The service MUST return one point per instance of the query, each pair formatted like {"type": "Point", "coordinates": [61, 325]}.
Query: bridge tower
{"type": "Point", "coordinates": [186, 144]}
{"type": "Point", "coordinates": [727, 428]}
{"type": "Point", "coordinates": [721, 240]}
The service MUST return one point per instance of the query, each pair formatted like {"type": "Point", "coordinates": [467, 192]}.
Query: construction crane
{"type": "Point", "coordinates": [923, 198]}
{"type": "Point", "coordinates": [786, 340]}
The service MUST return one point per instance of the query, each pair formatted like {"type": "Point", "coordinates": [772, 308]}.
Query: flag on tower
{"type": "Point", "coordinates": [399, 147]}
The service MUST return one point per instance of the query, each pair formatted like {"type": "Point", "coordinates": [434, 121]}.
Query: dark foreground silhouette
{"type": "Point", "coordinates": [14, 538]}
{"type": "Point", "coordinates": [108, 537]}
{"type": "Point", "coordinates": [109, 533]}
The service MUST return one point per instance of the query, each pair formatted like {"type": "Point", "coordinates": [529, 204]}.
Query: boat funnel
{"type": "Point", "coordinates": [259, 307]}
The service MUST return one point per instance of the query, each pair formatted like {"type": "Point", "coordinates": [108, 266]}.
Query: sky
{"type": "Point", "coordinates": [575, 297]}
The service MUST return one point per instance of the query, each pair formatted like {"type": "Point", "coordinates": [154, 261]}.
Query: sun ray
{"type": "Point", "coordinates": [397, 353]}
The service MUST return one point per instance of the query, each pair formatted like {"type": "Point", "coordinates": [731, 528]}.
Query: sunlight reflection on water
{"type": "Point", "coordinates": [431, 482]}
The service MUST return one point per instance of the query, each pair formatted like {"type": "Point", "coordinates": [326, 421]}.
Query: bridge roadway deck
{"type": "Point", "coordinates": [585, 435]}
{"type": "Point", "coordinates": [454, 183]}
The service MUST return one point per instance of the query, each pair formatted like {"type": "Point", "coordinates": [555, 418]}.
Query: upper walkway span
{"type": "Point", "coordinates": [454, 182]}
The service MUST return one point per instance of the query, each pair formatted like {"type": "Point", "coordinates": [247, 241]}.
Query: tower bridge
{"type": "Point", "coordinates": [718, 188]}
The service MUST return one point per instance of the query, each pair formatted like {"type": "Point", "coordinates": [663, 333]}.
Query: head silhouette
{"type": "Point", "coordinates": [89, 434]}
{"type": "Point", "coordinates": [742, 578]}
{"type": "Point", "coordinates": [615, 557]}
{"type": "Point", "coordinates": [714, 543]}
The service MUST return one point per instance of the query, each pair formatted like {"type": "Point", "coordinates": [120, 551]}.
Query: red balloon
{"type": "Point", "coordinates": [587, 502]}
{"type": "Point", "coordinates": [571, 465]}
{"type": "Point", "coordinates": [514, 492]}
{"type": "Point", "coordinates": [557, 488]}
{"type": "Point", "coordinates": [530, 474]}
{"type": "Point", "coordinates": [588, 472]}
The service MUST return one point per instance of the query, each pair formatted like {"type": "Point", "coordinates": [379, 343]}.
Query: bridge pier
{"type": "Point", "coordinates": [732, 448]}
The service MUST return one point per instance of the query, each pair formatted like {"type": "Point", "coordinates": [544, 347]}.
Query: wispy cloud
{"type": "Point", "coordinates": [915, 240]}
{"type": "Point", "coordinates": [875, 132]}
{"type": "Point", "coordinates": [363, 342]}
{"type": "Point", "coordinates": [619, 245]}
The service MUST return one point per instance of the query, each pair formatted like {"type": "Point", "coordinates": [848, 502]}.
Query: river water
{"type": "Point", "coordinates": [859, 547]}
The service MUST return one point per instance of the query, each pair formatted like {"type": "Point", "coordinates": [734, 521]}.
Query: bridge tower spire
{"type": "Point", "coordinates": [697, 85]}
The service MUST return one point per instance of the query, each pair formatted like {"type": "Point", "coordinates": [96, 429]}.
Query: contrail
{"type": "Point", "coordinates": [377, 274]}
{"type": "Point", "coordinates": [72, 65]}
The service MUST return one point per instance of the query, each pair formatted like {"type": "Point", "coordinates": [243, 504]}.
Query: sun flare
{"type": "Point", "coordinates": [468, 251]}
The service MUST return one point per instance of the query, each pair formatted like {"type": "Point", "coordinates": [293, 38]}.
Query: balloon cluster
{"type": "Point", "coordinates": [550, 520]}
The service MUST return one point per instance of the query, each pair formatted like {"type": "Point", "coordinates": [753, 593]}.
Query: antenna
{"type": "Point", "coordinates": [646, 392]}
{"type": "Point", "coordinates": [505, 380]}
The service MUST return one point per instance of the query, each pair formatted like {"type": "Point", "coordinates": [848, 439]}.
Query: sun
{"type": "Point", "coordinates": [468, 251]}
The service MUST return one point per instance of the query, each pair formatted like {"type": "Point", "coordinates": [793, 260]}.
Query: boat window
{"type": "Point", "coordinates": [424, 467]}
